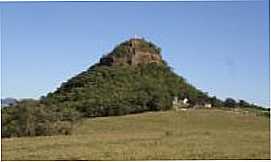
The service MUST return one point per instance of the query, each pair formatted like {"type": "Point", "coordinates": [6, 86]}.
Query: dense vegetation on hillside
{"type": "Point", "coordinates": [118, 90]}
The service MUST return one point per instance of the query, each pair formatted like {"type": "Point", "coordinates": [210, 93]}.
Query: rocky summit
{"type": "Point", "coordinates": [133, 52]}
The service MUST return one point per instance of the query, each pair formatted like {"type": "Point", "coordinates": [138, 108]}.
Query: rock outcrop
{"type": "Point", "coordinates": [133, 52]}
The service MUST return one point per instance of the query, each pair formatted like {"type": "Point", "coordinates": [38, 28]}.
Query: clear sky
{"type": "Point", "coordinates": [220, 47]}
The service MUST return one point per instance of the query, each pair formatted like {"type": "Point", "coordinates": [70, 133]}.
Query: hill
{"type": "Point", "coordinates": [132, 78]}
{"type": "Point", "coordinates": [191, 134]}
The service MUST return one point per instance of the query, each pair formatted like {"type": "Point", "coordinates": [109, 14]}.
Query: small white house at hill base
{"type": "Point", "coordinates": [180, 104]}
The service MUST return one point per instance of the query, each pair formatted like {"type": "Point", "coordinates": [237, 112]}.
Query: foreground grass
{"type": "Point", "coordinates": [193, 134]}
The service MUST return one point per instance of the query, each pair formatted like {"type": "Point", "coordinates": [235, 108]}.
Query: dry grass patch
{"type": "Point", "coordinates": [193, 134]}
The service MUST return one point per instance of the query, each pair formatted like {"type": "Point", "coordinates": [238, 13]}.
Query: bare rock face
{"type": "Point", "coordinates": [133, 52]}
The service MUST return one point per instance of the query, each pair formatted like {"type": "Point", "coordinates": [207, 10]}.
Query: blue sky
{"type": "Point", "coordinates": [220, 47]}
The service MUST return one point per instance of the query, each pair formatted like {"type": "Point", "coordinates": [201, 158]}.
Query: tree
{"type": "Point", "coordinates": [216, 102]}
{"type": "Point", "coordinates": [32, 118]}
{"type": "Point", "coordinates": [230, 102]}
{"type": "Point", "coordinates": [243, 103]}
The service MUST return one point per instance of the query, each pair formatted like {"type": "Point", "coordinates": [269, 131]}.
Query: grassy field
{"type": "Point", "coordinates": [192, 134]}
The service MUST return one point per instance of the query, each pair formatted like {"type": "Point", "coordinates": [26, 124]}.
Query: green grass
{"type": "Point", "coordinates": [192, 134]}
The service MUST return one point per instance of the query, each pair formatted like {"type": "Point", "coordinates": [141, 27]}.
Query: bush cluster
{"type": "Point", "coordinates": [32, 118]}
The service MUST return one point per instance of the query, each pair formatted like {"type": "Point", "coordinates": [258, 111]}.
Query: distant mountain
{"type": "Point", "coordinates": [8, 102]}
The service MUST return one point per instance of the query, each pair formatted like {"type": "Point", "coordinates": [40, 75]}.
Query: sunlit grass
{"type": "Point", "coordinates": [193, 134]}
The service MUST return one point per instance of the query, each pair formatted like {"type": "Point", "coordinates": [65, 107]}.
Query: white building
{"type": "Point", "coordinates": [207, 105]}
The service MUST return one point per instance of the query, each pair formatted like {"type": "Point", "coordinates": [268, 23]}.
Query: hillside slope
{"type": "Point", "coordinates": [193, 134]}
{"type": "Point", "coordinates": [132, 78]}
